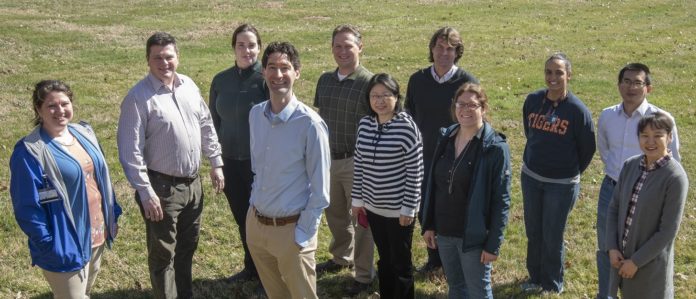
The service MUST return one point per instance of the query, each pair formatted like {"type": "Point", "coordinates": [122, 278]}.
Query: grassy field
{"type": "Point", "coordinates": [98, 47]}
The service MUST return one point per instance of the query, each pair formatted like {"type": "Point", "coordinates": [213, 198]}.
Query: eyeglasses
{"type": "Point", "coordinates": [468, 106]}
{"type": "Point", "coordinates": [384, 97]}
{"type": "Point", "coordinates": [637, 84]}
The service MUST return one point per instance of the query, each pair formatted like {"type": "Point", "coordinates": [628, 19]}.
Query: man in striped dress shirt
{"type": "Point", "coordinates": [164, 127]}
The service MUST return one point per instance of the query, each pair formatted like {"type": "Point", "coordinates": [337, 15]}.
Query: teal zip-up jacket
{"type": "Point", "coordinates": [42, 206]}
{"type": "Point", "coordinates": [489, 194]}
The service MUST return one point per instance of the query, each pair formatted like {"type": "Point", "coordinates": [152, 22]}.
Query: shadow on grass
{"type": "Point", "coordinates": [116, 294]}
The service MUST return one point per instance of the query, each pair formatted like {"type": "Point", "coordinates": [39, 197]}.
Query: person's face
{"type": "Point", "coordinates": [556, 76]}
{"type": "Point", "coordinates": [469, 110]}
{"type": "Point", "coordinates": [163, 61]}
{"type": "Point", "coordinates": [444, 54]}
{"type": "Point", "coordinates": [383, 102]}
{"type": "Point", "coordinates": [633, 88]}
{"type": "Point", "coordinates": [653, 142]}
{"type": "Point", "coordinates": [279, 74]}
{"type": "Point", "coordinates": [346, 51]}
{"type": "Point", "coordinates": [55, 112]}
{"type": "Point", "coordinates": [246, 49]}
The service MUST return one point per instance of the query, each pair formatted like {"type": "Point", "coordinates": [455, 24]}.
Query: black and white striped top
{"type": "Point", "coordinates": [388, 167]}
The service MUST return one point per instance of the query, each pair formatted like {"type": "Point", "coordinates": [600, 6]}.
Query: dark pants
{"type": "Point", "coordinates": [172, 241]}
{"type": "Point", "coordinates": [238, 179]}
{"type": "Point", "coordinates": [395, 267]}
{"type": "Point", "coordinates": [546, 210]}
{"type": "Point", "coordinates": [433, 254]}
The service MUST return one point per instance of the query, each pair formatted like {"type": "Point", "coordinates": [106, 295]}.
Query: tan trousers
{"type": "Point", "coordinates": [76, 284]}
{"type": "Point", "coordinates": [350, 243]}
{"type": "Point", "coordinates": [285, 269]}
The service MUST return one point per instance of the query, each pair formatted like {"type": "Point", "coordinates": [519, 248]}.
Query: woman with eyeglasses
{"type": "Point", "coordinates": [467, 196]}
{"type": "Point", "coordinates": [560, 145]}
{"type": "Point", "coordinates": [388, 171]}
{"type": "Point", "coordinates": [644, 215]}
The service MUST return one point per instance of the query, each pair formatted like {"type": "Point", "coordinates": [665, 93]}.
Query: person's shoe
{"type": "Point", "coordinates": [330, 267]}
{"type": "Point", "coordinates": [242, 276]}
{"type": "Point", "coordinates": [357, 287]}
{"type": "Point", "coordinates": [260, 292]}
{"type": "Point", "coordinates": [429, 267]}
{"type": "Point", "coordinates": [530, 287]}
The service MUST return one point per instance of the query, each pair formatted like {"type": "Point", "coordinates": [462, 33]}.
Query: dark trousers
{"type": "Point", "coordinates": [172, 241]}
{"type": "Point", "coordinates": [433, 254]}
{"type": "Point", "coordinates": [238, 179]}
{"type": "Point", "coordinates": [395, 267]}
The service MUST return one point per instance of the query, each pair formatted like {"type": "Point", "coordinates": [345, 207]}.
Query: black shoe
{"type": "Point", "coordinates": [242, 276]}
{"type": "Point", "coordinates": [260, 292]}
{"type": "Point", "coordinates": [331, 267]}
{"type": "Point", "coordinates": [357, 287]}
{"type": "Point", "coordinates": [429, 267]}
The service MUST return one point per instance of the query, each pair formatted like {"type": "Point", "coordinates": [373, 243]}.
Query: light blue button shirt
{"type": "Point", "coordinates": [617, 136]}
{"type": "Point", "coordinates": [290, 158]}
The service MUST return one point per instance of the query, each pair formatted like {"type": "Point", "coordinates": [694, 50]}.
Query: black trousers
{"type": "Point", "coordinates": [395, 266]}
{"type": "Point", "coordinates": [238, 180]}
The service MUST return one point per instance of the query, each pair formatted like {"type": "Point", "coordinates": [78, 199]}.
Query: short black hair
{"type": "Point", "coordinates": [160, 39]}
{"type": "Point", "coordinates": [657, 121]}
{"type": "Point", "coordinates": [390, 83]}
{"type": "Point", "coordinates": [284, 48]}
{"type": "Point", "coordinates": [636, 66]}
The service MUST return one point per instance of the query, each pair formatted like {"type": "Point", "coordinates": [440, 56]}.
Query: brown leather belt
{"type": "Point", "coordinates": [278, 221]}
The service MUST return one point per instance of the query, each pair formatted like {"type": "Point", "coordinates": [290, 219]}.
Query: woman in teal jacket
{"type": "Point", "coordinates": [62, 194]}
{"type": "Point", "coordinates": [467, 196]}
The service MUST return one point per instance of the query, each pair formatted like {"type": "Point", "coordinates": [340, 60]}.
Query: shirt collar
{"type": "Point", "coordinates": [351, 76]}
{"type": "Point", "coordinates": [656, 165]}
{"type": "Point", "coordinates": [157, 84]}
{"type": "Point", "coordinates": [284, 114]}
{"type": "Point", "coordinates": [448, 75]}
{"type": "Point", "coordinates": [642, 108]}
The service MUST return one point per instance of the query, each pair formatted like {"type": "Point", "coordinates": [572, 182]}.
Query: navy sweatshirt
{"type": "Point", "coordinates": [560, 140]}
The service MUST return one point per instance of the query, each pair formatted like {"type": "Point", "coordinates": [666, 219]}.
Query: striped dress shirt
{"type": "Point", "coordinates": [388, 169]}
{"type": "Point", "coordinates": [164, 130]}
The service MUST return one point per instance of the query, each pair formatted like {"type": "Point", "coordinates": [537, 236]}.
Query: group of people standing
{"type": "Point", "coordinates": [368, 160]}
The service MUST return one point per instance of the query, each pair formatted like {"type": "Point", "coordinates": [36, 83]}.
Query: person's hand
{"type": "Point", "coordinates": [487, 257]}
{"type": "Point", "coordinates": [615, 258]}
{"type": "Point", "coordinates": [217, 178]}
{"type": "Point", "coordinates": [152, 209]}
{"type": "Point", "coordinates": [358, 210]}
{"type": "Point", "coordinates": [628, 269]}
{"type": "Point", "coordinates": [405, 220]}
{"type": "Point", "coordinates": [429, 238]}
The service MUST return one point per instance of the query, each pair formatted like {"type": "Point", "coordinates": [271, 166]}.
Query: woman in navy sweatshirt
{"type": "Point", "coordinates": [560, 146]}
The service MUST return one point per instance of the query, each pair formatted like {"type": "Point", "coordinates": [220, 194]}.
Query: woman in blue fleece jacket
{"type": "Point", "coordinates": [560, 146]}
{"type": "Point", "coordinates": [62, 194]}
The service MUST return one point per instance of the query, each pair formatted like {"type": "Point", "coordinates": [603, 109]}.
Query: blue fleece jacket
{"type": "Point", "coordinates": [58, 234]}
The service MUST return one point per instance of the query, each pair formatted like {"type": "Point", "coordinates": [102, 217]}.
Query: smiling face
{"type": "Point", "coordinates": [556, 76]}
{"type": "Point", "coordinates": [633, 87]}
{"type": "Point", "coordinates": [163, 61]}
{"type": "Point", "coordinates": [346, 51]}
{"type": "Point", "coordinates": [382, 102]}
{"type": "Point", "coordinates": [654, 142]}
{"type": "Point", "coordinates": [469, 110]}
{"type": "Point", "coordinates": [280, 75]}
{"type": "Point", "coordinates": [246, 49]}
{"type": "Point", "coordinates": [55, 113]}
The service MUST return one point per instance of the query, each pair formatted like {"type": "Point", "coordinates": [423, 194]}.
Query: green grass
{"type": "Point", "coordinates": [98, 47]}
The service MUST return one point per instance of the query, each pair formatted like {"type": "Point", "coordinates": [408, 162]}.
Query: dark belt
{"type": "Point", "coordinates": [278, 221]}
{"type": "Point", "coordinates": [612, 181]}
{"type": "Point", "coordinates": [339, 156]}
{"type": "Point", "coordinates": [170, 179]}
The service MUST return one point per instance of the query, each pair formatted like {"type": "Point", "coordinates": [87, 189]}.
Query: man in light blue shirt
{"type": "Point", "coordinates": [617, 140]}
{"type": "Point", "coordinates": [290, 158]}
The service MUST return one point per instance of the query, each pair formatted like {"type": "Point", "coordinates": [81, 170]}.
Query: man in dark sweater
{"type": "Point", "coordinates": [428, 99]}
